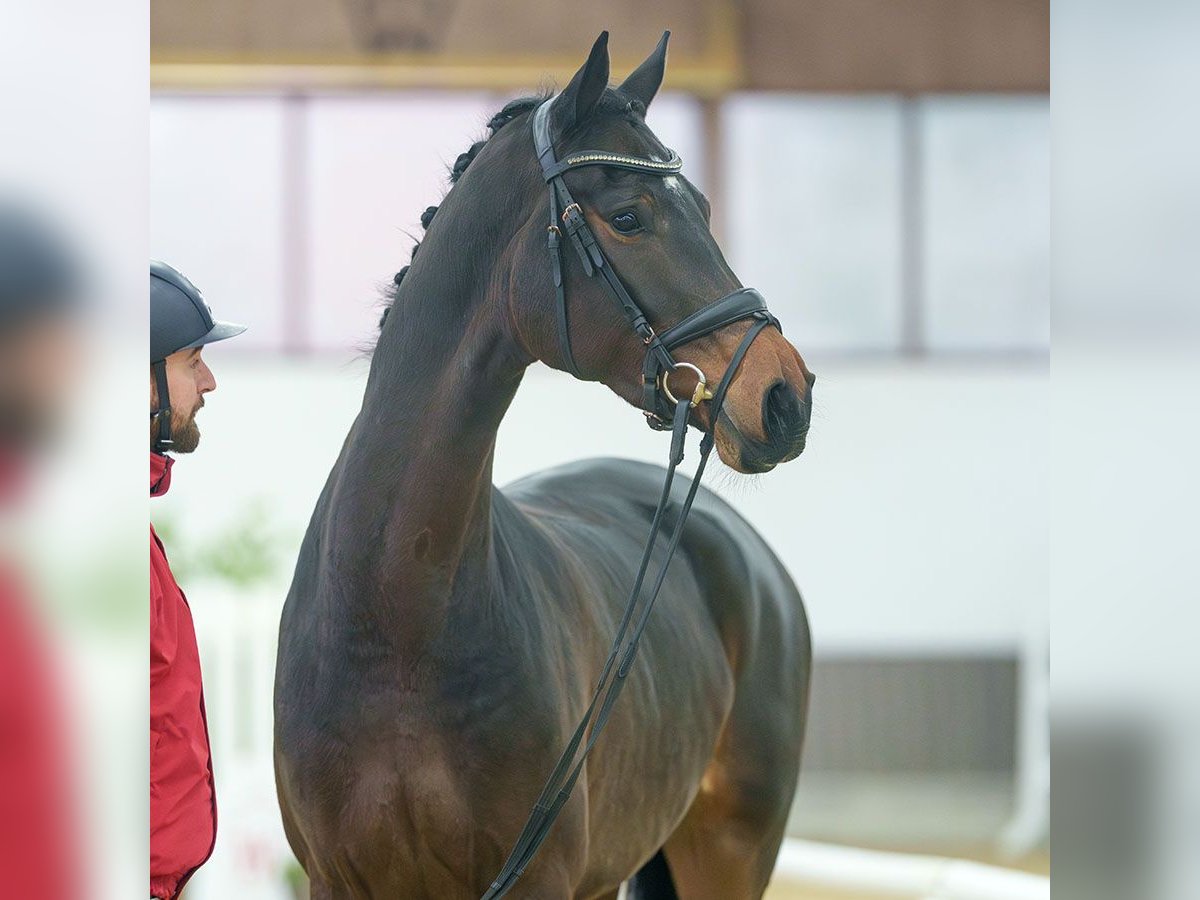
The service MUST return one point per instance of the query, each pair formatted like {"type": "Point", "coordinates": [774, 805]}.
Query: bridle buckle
{"type": "Point", "coordinates": [657, 422]}
{"type": "Point", "coordinates": [566, 213]}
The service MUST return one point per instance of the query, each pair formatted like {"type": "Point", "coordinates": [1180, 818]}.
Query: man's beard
{"type": "Point", "coordinates": [185, 433]}
{"type": "Point", "coordinates": [24, 426]}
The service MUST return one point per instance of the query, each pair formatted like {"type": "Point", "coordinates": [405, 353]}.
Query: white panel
{"type": "Point", "coordinates": [376, 163]}
{"type": "Point", "coordinates": [812, 202]}
{"type": "Point", "coordinates": [216, 213]}
{"type": "Point", "coordinates": [909, 526]}
{"type": "Point", "coordinates": [986, 174]}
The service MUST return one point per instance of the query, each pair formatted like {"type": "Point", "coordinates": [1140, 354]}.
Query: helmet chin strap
{"type": "Point", "coordinates": [162, 415]}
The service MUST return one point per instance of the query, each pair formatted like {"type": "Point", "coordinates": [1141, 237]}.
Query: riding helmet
{"type": "Point", "coordinates": [179, 317]}
{"type": "Point", "coordinates": [179, 320]}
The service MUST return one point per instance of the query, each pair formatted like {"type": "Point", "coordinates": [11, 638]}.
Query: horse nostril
{"type": "Point", "coordinates": [811, 379]}
{"type": "Point", "coordinates": [785, 415]}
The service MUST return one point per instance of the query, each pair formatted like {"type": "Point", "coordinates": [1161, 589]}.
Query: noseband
{"type": "Point", "coordinates": [663, 412]}
{"type": "Point", "coordinates": [567, 218]}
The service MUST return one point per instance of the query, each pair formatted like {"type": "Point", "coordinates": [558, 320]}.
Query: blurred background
{"type": "Point", "coordinates": [293, 146]}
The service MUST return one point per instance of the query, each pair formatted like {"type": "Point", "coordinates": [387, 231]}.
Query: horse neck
{"type": "Point", "coordinates": [412, 509]}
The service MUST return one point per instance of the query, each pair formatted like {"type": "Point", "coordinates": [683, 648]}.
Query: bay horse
{"type": "Point", "coordinates": [441, 637]}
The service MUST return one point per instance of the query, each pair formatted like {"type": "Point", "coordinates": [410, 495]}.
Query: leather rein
{"type": "Point", "coordinates": [663, 412]}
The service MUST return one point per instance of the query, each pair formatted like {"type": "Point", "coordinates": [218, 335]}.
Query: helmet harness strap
{"type": "Point", "coordinates": [162, 415]}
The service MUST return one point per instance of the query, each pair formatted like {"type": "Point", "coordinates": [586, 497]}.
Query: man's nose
{"type": "Point", "coordinates": [208, 381]}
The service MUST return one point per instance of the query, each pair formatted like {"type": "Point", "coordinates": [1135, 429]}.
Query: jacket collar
{"type": "Point", "coordinates": [160, 473]}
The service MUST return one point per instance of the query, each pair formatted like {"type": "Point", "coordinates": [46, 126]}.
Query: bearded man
{"type": "Point", "coordinates": [183, 811]}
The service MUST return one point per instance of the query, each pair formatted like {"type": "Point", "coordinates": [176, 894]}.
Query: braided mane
{"type": "Point", "coordinates": [511, 110]}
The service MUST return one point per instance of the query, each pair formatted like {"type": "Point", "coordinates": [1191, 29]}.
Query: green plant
{"type": "Point", "coordinates": [246, 553]}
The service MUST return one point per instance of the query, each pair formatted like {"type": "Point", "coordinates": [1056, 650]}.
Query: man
{"type": "Point", "coordinates": [40, 298]}
{"type": "Point", "coordinates": [183, 811]}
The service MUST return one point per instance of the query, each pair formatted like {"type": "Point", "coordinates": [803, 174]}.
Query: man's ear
{"type": "Point", "coordinates": [644, 81]}
{"type": "Point", "coordinates": [580, 97]}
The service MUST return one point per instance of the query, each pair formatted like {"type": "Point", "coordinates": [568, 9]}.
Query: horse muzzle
{"type": "Point", "coordinates": [786, 416]}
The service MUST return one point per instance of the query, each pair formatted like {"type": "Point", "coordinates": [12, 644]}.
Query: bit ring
{"type": "Point", "coordinates": [700, 393]}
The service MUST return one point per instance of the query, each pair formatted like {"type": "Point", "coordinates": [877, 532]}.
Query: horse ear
{"type": "Point", "coordinates": [580, 97]}
{"type": "Point", "coordinates": [644, 81]}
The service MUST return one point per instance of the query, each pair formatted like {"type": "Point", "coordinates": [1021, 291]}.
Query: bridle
{"type": "Point", "coordinates": [566, 218]}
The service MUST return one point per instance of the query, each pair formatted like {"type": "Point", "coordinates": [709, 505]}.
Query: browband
{"type": "Point", "coordinates": [617, 161]}
{"type": "Point", "coordinates": [579, 158]}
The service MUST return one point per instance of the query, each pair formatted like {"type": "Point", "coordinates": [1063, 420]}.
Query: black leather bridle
{"type": "Point", "coordinates": [566, 218]}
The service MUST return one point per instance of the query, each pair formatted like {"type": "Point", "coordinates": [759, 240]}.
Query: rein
{"type": "Point", "coordinates": [663, 412]}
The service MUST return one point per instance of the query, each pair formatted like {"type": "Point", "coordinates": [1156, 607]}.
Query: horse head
{"type": "Point", "coordinates": [654, 229]}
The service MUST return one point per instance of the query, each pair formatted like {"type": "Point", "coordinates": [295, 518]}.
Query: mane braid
{"type": "Point", "coordinates": [511, 110]}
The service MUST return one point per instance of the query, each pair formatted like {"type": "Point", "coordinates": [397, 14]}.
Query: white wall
{"type": "Point", "coordinates": [814, 213]}
{"type": "Point", "coordinates": [915, 520]}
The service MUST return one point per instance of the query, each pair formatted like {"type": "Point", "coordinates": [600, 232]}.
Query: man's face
{"type": "Point", "coordinates": [38, 366]}
{"type": "Point", "coordinates": [188, 379]}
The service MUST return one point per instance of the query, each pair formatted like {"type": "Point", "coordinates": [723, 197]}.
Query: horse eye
{"type": "Point", "coordinates": [626, 222]}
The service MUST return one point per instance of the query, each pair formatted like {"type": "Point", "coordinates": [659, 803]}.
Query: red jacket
{"type": "Point", "coordinates": [183, 809]}
{"type": "Point", "coordinates": [38, 854]}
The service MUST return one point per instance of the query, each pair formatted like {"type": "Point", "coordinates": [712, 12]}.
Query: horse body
{"type": "Point", "coordinates": [441, 637]}
{"type": "Point", "coordinates": [417, 761]}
